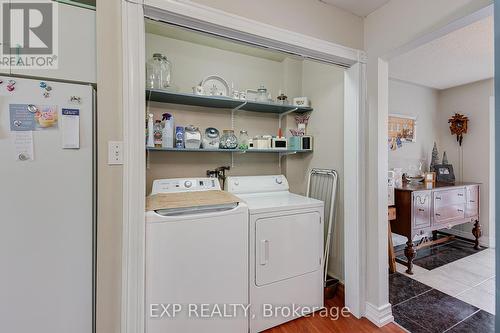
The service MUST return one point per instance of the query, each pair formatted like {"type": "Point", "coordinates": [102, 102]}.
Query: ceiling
{"type": "Point", "coordinates": [357, 7]}
{"type": "Point", "coordinates": [463, 56]}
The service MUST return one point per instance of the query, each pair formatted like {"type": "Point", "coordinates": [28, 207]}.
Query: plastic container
{"type": "Point", "coordinates": [179, 137]}
{"type": "Point", "coordinates": [168, 131]}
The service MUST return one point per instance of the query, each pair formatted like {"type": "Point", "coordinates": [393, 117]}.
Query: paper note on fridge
{"type": "Point", "coordinates": [31, 117]}
{"type": "Point", "coordinates": [23, 145]}
{"type": "Point", "coordinates": [70, 124]}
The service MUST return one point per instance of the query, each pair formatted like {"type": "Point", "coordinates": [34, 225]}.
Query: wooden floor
{"type": "Point", "coordinates": [325, 325]}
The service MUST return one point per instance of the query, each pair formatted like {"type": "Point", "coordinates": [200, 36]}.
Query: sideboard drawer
{"type": "Point", "coordinates": [445, 214]}
{"type": "Point", "coordinates": [472, 201]}
{"type": "Point", "coordinates": [421, 209]}
{"type": "Point", "coordinates": [449, 197]}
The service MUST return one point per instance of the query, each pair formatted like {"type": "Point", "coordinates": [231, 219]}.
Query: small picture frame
{"type": "Point", "coordinates": [430, 177]}
{"type": "Point", "coordinates": [444, 173]}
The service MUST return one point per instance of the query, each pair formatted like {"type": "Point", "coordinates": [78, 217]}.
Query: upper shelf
{"type": "Point", "coordinates": [220, 102]}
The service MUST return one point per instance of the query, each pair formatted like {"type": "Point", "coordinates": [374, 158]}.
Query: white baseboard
{"type": "Point", "coordinates": [380, 316]}
{"type": "Point", "coordinates": [483, 241]}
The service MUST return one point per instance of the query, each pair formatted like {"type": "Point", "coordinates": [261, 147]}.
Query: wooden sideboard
{"type": "Point", "coordinates": [422, 209]}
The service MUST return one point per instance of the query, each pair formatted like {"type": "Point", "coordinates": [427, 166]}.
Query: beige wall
{"type": "Point", "coordinates": [109, 191]}
{"type": "Point", "coordinates": [472, 100]}
{"type": "Point", "coordinates": [415, 101]}
{"type": "Point", "coordinates": [308, 17]}
{"type": "Point", "coordinates": [325, 86]}
{"type": "Point", "coordinates": [303, 16]}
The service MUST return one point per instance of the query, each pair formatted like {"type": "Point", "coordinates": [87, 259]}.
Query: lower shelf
{"type": "Point", "coordinates": [185, 150]}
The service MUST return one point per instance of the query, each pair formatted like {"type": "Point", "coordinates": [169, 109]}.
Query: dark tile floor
{"type": "Point", "coordinates": [442, 254]}
{"type": "Point", "coordinates": [421, 309]}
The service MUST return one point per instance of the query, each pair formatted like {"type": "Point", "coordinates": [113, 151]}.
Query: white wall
{"type": "Point", "coordinates": [308, 17]}
{"type": "Point", "coordinates": [416, 101]}
{"type": "Point", "coordinates": [386, 30]}
{"type": "Point", "coordinates": [471, 162]}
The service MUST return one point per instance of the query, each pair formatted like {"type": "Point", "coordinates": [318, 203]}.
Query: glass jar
{"type": "Point", "coordinates": [228, 140]}
{"type": "Point", "coordinates": [262, 95]}
{"type": "Point", "coordinates": [243, 140]}
{"type": "Point", "coordinates": [192, 137]}
{"type": "Point", "coordinates": [166, 73]}
{"type": "Point", "coordinates": [211, 139]}
{"type": "Point", "coordinates": [158, 72]}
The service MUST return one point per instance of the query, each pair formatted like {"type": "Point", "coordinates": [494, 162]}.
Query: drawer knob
{"type": "Point", "coordinates": [438, 198]}
{"type": "Point", "coordinates": [437, 214]}
{"type": "Point", "coordinates": [460, 194]}
{"type": "Point", "coordinates": [421, 210]}
{"type": "Point", "coordinates": [460, 210]}
{"type": "Point", "coordinates": [472, 201]}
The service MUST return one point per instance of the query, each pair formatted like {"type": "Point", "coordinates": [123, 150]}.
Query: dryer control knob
{"type": "Point", "coordinates": [188, 184]}
{"type": "Point", "coordinates": [279, 180]}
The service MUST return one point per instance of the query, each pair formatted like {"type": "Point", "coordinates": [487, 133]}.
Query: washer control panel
{"type": "Point", "coordinates": [176, 185]}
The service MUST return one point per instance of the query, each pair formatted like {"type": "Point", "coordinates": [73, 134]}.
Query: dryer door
{"type": "Point", "coordinates": [287, 246]}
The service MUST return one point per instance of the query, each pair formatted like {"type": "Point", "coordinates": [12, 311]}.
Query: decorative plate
{"type": "Point", "coordinates": [215, 85]}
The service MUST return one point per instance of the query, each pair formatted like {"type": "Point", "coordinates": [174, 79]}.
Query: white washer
{"type": "Point", "coordinates": [197, 256]}
{"type": "Point", "coordinates": [286, 250]}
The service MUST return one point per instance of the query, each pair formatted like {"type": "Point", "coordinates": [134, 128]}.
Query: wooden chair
{"type": "Point", "coordinates": [392, 256]}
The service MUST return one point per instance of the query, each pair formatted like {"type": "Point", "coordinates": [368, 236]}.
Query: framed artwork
{"type": "Point", "coordinates": [402, 128]}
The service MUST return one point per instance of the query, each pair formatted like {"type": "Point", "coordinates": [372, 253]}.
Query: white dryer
{"type": "Point", "coordinates": [196, 263]}
{"type": "Point", "coordinates": [286, 250]}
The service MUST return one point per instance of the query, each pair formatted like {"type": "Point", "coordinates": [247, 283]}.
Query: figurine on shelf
{"type": "Point", "coordinates": [282, 98]}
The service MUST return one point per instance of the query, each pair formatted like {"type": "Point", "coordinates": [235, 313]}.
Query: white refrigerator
{"type": "Point", "coordinates": [47, 206]}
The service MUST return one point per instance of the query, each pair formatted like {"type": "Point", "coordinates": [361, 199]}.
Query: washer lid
{"type": "Point", "coordinates": [268, 202]}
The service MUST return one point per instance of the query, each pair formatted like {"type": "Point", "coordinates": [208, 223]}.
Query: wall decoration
{"type": "Point", "coordinates": [434, 158]}
{"type": "Point", "coordinates": [444, 173]}
{"type": "Point", "coordinates": [458, 126]}
{"type": "Point", "coordinates": [402, 128]}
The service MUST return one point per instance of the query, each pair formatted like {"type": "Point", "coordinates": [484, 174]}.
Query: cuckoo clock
{"type": "Point", "coordinates": [458, 126]}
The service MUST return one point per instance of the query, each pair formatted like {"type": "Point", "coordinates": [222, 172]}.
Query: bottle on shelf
{"type": "Point", "coordinates": [158, 133]}
{"type": "Point", "coordinates": [168, 131]}
{"type": "Point", "coordinates": [150, 141]}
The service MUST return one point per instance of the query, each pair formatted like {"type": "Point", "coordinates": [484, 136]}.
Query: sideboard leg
{"type": "Point", "coordinates": [476, 231]}
{"type": "Point", "coordinates": [410, 254]}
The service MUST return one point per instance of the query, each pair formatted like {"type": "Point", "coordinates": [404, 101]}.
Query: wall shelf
{"type": "Point", "coordinates": [184, 150]}
{"type": "Point", "coordinates": [220, 102]}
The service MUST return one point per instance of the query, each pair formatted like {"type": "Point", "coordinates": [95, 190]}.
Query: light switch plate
{"type": "Point", "coordinates": [115, 152]}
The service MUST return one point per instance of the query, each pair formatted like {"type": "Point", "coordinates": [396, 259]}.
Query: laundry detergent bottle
{"type": "Point", "coordinates": [168, 131]}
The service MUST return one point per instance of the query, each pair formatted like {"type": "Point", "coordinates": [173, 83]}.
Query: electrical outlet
{"type": "Point", "coordinates": [115, 152]}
